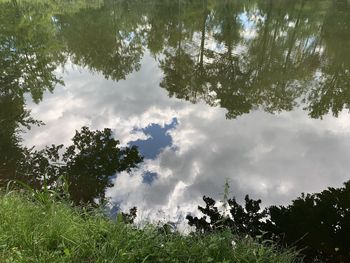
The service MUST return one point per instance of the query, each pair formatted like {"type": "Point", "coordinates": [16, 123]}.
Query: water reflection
{"type": "Point", "coordinates": [274, 56]}
{"type": "Point", "coordinates": [268, 54]}
{"type": "Point", "coordinates": [238, 55]}
{"type": "Point", "coordinates": [28, 58]}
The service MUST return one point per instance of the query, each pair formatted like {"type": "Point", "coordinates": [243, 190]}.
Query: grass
{"type": "Point", "coordinates": [53, 231]}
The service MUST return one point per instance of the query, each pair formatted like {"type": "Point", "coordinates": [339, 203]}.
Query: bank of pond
{"type": "Point", "coordinates": [45, 226]}
{"type": "Point", "coordinates": [40, 229]}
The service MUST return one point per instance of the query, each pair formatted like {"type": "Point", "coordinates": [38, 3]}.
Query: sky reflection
{"type": "Point", "coordinates": [270, 156]}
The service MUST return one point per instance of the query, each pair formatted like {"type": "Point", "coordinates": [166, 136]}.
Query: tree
{"type": "Point", "coordinates": [29, 55]}
{"type": "Point", "coordinates": [31, 49]}
{"type": "Point", "coordinates": [87, 165]}
{"type": "Point", "coordinates": [242, 220]}
{"type": "Point", "coordinates": [105, 39]}
{"type": "Point", "coordinates": [319, 224]}
{"type": "Point", "coordinates": [331, 93]}
{"type": "Point", "coordinates": [90, 162]}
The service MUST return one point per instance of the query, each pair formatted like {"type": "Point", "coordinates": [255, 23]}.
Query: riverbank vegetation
{"type": "Point", "coordinates": [40, 228]}
{"type": "Point", "coordinates": [47, 34]}
{"type": "Point", "coordinates": [317, 224]}
{"type": "Point", "coordinates": [47, 226]}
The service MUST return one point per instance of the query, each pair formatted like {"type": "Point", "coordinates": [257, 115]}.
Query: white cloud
{"type": "Point", "coordinates": [273, 157]}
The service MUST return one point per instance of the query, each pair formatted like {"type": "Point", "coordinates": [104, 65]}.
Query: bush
{"type": "Point", "coordinates": [53, 231]}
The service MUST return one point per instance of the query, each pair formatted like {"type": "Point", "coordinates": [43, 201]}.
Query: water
{"type": "Point", "coordinates": [254, 91]}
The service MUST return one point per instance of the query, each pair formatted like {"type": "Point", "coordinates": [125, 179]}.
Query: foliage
{"type": "Point", "coordinates": [87, 164]}
{"type": "Point", "coordinates": [29, 55]}
{"type": "Point", "coordinates": [317, 224]}
{"type": "Point", "coordinates": [297, 53]}
{"type": "Point", "coordinates": [33, 232]}
{"type": "Point", "coordinates": [242, 220]}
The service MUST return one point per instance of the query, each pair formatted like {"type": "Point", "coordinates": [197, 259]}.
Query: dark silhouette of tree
{"type": "Point", "coordinates": [87, 165]}
{"type": "Point", "coordinates": [90, 162]}
{"type": "Point", "coordinates": [31, 49]}
{"type": "Point", "coordinates": [13, 116]}
{"type": "Point", "coordinates": [38, 169]}
{"type": "Point", "coordinates": [29, 55]}
{"type": "Point", "coordinates": [239, 219]}
{"type": "Point", "coordinates": [317, 223]}
{"type": "Point", "coordinates": [129, 218]}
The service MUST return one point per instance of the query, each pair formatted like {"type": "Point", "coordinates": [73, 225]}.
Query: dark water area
{"type": "Point", "coordinates": [256, 92]}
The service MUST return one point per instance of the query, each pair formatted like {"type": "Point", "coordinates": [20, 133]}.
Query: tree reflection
{"type": "Point", "coordinates": [87, 165]}
{"type": "Point", "coordinates": [31, 50]}
{"type": "Point", "coordinates": [331, 90]}
{"type": "Point", "coordinates": [90, 162]}
{"type": "Point", "coordinates": [238, 55]}
{"type": "Point", "coordinates": [265, 55]}
{"type": "Point", "coordinates": [107, 39]}
{"type": "Point", "coordinates": [316, 224]}
{"type": "Point", "coordinates": [272, 55]}
{"type": "Point", "coordinates": [28, 58]}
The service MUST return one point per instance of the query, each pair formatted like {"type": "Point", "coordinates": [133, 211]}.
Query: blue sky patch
{"type": "Point", "coordinates": [158, 139]}
{"type": "Point", "coordinates": [148, 177]}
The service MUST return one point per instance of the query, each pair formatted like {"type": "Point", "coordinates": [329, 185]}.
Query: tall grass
{"type": "Point", "coordinates": [54, 231]}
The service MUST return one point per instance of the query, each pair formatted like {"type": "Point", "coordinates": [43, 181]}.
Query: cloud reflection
{"type": "Point", "coordinates": [273, 157]}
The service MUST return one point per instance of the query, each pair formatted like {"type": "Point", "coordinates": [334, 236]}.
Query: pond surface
{"type": "Point", "coordinates": [256, 92]}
